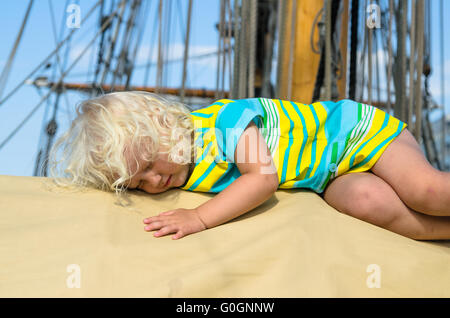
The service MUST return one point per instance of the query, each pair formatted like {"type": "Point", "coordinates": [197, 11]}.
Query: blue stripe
{"type": "Point", "coordinates": [202, 115]}
{"type": "Point", "coordinates": [203, 129]}
{"type": "Point", "coordinates": [286, 153]}
{"type": "Point", "coordinates": [199, 180]}
{"type": "Point", "coordinates": [203, 177]}
{"type": "Point", "coordinates": [370, 156]}
{"type": "Point", "coordinates": [385, 122]}
{"type": "Point", "coordinates": [334, 119]}
{"type": "Point", "coordinates": [305, 134]}
{"type": "Point", "coordinates": [202, 132]}
{"type": "Point", "coordinates": [311, 182]}
{"type": "Point", "coordinates": [226, 179]}
{"type": "Point", "coordinates": [322, 170]}
{"type": "Point", "coordinates": [314, 143]}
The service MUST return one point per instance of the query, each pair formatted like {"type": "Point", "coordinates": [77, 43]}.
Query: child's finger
{"type": "Point", "coordinates": [153, 226]}
{"type": "Point", "coordinates": [152, 219]}
{"type": "Point", "coordinates": [177, 235]}
{"type": "Point", "coordinates": [167, 213]}
{"type": "Point", "coordinates": [164, 231]}
{"type": "Point", "coordinates": [149, 219]}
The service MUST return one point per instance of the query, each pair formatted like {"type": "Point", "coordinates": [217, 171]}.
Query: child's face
{"type": "Point", "coordinates": [158, 176]}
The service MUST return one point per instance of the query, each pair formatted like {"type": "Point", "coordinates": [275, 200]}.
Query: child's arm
{"type": "Point", "coordinates": [257, 183]}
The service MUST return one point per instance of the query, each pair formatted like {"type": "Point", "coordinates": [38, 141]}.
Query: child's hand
{"type": "Point", "coordinates": [182, 222]}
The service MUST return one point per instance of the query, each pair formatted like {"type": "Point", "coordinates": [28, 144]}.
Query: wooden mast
{"type": "Point", "coordinates": [342, 81]}
{"type": "Point", "coordinates": [306, 61]}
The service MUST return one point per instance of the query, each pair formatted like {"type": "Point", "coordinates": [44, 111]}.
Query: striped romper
{"type": "Point", "coordinates": [310, 144]}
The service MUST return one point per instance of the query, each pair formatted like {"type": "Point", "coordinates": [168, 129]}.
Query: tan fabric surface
{"type": "Point", "coordinates": [294, 245]}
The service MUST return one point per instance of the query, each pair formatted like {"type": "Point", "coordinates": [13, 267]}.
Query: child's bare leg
{"type": "Point", "coordinates": [367, 197]}
{"type": "Point", "coordinates": [422, 187]}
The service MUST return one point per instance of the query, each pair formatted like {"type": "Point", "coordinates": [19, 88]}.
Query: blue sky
{"type": "Point", "coordinates": [18, 156]}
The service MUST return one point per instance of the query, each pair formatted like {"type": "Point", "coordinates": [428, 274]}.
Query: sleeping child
{"type": "Point", "coordinates": [359, 159]}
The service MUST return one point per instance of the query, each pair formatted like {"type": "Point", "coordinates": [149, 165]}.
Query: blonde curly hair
{"type": "Point", "coordinates": [92, 152]}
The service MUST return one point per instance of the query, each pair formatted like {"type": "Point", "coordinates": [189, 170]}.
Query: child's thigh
{"type": "Point", "coordinates": [365, 196]}
{"type": "Point", "coordinates": [405, 168]}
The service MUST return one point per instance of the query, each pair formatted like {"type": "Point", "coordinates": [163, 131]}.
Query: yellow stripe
{"type": "Point", "coordinates": [387, 132]}
{"type": "Point", "coordinates": [277, 159]}
{"type": "Point", "coordinates": [321, 142]}
{"type": "Point", "coordinates": [225, 101]}
{"type": "Point", "coordinates": [305, 159]}
{"type": "Point", "coordinates": [212, 177]}
{"type": "Point", "coordinates": [377, 123]}
{"type": "Point", "coordinates": [294, 150]}
{"type": "Point", "coordinates": [213, 109]}
{"type": "Point", "coordinates": [208, 137]}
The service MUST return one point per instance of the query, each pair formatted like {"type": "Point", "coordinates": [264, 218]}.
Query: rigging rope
{"type": "Point", "coordinates": [412, 58]}
{"type": "Point", "coordinates": [57, 39]}
{"type": "Point", "coordinates": [218, 92]}
{"type": "Point", "coordinates": [52, 125]}
{"type": "Point", "coordinates": [320, 86]}
{"type": "Point", "coordinates": [369, 66]}
{"type": "Point", "coordinates": [228, 49]}
{"type": "Point", "coordinates": [389, 70]}
{"type": "Point", "coordinates": [236, 17]}
{"type": "Point", "coordinates": [243, 47]}
{"type": "Point", "coordinates": [400, 88]}
{"type": "Point", "coordinates": [253, 20]}
{"type": "Point", "coordinates": [150, 51]}
{"type": "Point", "coordinates": [130, 69]}
{"type": "Point", "coordinates": [66, 55]}
{"type": "Point", "coordinates": [226, 40]}
{"type": "Point", "coordinates": [186, 50]}
{"type": "Point", "coordinates": [377, 65]}
{"type": "Point", "coordinates": [101, 44]}
{"type": "Point", "coordinates": [160, 53]}
{"type": "Point", "coordinates": [14, 90]}
{"type": "Point", "coordinates": [363, 55]}
{"type": "Point", "coordinates": [123, 60]}
{"type": "Point", "coordinates": [444, 121]}
{"type": "Point", "coordinates": [328, 32]}
{"type": "Point", "coordinates": [56, 84]}
{"type": "Point", "coordinates": [7, 68]}
{"type": "Point", "coordinates": [353, 49]}
{"type": "Point", "coordinates": [292, 48]}
{"type": "Point", "coordinates": [112, 46]}
{"type": "Point", "coordinates": [419, 67]}
{"type": "Point", "coordinates": [267, 87]}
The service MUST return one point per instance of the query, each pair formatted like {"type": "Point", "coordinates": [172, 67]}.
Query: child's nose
{"type": "Point", "coordinates": [154, 179]}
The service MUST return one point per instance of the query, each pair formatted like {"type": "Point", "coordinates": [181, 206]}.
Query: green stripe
{"type": "Point", "coordinates": [334, 153]}
{"type": "Point", "coordinates": [265, 132]}
{"type": "Point", "coordinates": [265, 112]}
{"type": "Point", "coordinates": [381, 145]}
{"type": "Point", "coordinates": [361, 147]}
{"type": "Point", "coordinates": [359, 111]}
{"type": "Point", "coordinates": [361, 131]}
{"type": "Point", "coordinates": [271, 124]}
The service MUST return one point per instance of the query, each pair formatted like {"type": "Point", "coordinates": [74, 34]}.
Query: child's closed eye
{"type": "Point", "coordinates": [141, 182]}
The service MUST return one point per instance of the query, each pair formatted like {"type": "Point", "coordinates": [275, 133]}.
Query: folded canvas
{"type": "Point", "coordinates": [66, 243]}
